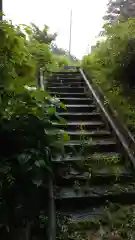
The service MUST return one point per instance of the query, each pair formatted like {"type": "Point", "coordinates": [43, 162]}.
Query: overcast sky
{"type": "Point", "coordinates": [87, 19]}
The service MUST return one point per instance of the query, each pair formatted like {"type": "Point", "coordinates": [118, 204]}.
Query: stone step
{"type": "Point", "coordinates": [66, 89]}
{"type": "Point", "coordinates": [95, 215]}
{"type": "Point", "coordinates": [91, 146]}
{"type": "Point", "coordinates": [70, 169]}
{"type": "Point", "coordinates": [89, 169]}
{"type": "Point", "coordinates": [78, 108]}
{"type": "Point", "coordinates": [92, 156]}
{"type": "Point", "coordinates": [81, 116]}
{"type": "Point", "coordinates": [103, 175]}
{"type": "Point", "coordinates": [66, 79]}
{"type": "Point", "coordinates": [75, 101]}
{"type": "Point", "coordinates": [77, 125]}
{"type": "Point", "coordinates": [96, 158]}
{"type": "Point", "coordinates": [66, 73]}
{"type": "Point", "coordinates": [70, 199]}
{"type": "Point", "coordinates": [88, 195]}
{"type": "Point", "coordinates": [67, 95]}
{"type": "Point", "coordinates": [79, 135]}
{"type": "Point", "coordinates": [60, 83]}
{"type": "Point", "coordinates": [71, 76]}
{"type": "Point", "coordinates": [85, 214]}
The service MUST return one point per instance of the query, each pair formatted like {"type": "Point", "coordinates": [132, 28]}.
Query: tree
{"type": "Point", "coordinates": [120, 10]}
{"type": "Point", "coordinates": [47, 54]}
{"type": "Point", "coordinates": [62, 52]}
{"type": "Point", "coordinates": [42, 36]}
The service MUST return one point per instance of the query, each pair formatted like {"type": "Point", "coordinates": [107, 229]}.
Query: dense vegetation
{"type": "Point", "coordinates": [111, 64]}
{"type": "Point", "coordinates": [112, 61]}
{"type": "Point", "coordinates": [26, 153]}
{"type": "Point", "coordinates": [26, 119]}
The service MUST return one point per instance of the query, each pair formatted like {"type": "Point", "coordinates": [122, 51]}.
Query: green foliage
{"type": "Point", "coordinates": [112, 220]}
{"type": "Point", "coordinates": [62, 52]}
{"type": "Point", "coordinates": [27, 147]}
{"type": "Point", "coordinates": [24, 167]}
{"type": "Point", "coordinates": [111, 65]}
{"type": "Point", "coordinates": [16, 63]}
{"type": "Point", "coordinates": [66, 229]}
{"type": "Point", "coordinates": [42, 54]}
{"type": "Point", "coordinates": [120, 219]}
{"type": "Point", "coordinates": [48, 56]}
{"type": "Point", "coordinates": [42, 36]}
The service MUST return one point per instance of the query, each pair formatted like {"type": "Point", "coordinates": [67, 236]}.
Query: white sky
{"type": "Point", "coordinates": [87, 19]}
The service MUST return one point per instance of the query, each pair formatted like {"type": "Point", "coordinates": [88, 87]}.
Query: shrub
{"type": "Point", "coordinates": [111, 65]}
{"type": "Point", "coordinates": [27, 148]}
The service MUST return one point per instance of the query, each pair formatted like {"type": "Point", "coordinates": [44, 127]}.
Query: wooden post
{"type": "Point", "coordinates": [52, 213]}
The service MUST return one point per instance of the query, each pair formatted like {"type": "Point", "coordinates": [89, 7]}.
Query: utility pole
{"type": "Point", "coordinates": [1, 9]}
{"type": "Point", "coordinates": [88, 49]}
{"type": "Point", "coordinates": [70, 34]}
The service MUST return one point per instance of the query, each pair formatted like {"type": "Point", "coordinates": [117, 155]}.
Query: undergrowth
{"type": "Point", "coordinates": [111, 66]}
{"type": "Point", "coordinates": [25, 121]}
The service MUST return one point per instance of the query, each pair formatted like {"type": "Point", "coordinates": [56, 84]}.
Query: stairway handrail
{"type": "Point", "coordinates": [121, 131]}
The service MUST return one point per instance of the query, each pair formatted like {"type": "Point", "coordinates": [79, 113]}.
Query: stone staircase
{"type": "Point", "coordinates": [94, 170]}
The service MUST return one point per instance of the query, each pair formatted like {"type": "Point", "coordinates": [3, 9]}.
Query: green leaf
{"type": "Point", "coordinates": [2, 14]}
{"type": "Point", "coordinates": [62, 105]}
{"type": "Point", "coordinates": [66, 137]}
{"type": "Point", "coordinates": [51, 110]}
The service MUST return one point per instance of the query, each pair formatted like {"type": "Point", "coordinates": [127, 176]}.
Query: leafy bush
{"type": "Point", "coordinates": [27, 148]}
{"type": "Point", "coordinates": [16, 62]}
{"type": "Point", "coordinates": [47, 54]}
{"type": "Point", "coordinates": [24, 167]}
{"type": "Point", "coordinates": [112, 66]}
{"type": "Point", "coordinates": [67, 229]}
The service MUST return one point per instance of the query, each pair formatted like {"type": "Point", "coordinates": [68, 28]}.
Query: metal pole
{"type": "Point", "coordinates": [1, 9]}
{"type": "Point", "coordinates": [70, 35]}
{"type": "Point", "coordinates": [88, 49]}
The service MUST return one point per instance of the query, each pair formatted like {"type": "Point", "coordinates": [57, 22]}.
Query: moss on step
{"type": "Point", "coordinates": [112, 220]}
